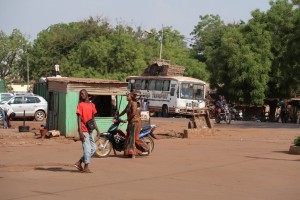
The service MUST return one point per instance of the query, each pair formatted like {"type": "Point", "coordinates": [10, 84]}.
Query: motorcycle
{"type": "Point", "coordinates": [222, 114]}
{"type": "Point", "coordinates": [115, 139]}
{"type": "Point", "coordinates": [235, 114]}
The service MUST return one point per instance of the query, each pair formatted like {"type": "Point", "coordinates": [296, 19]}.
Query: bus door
{"type": "Point", "coordinates": [173, 93]}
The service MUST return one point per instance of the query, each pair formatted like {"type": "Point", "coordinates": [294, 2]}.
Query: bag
{"type": "Point", "coordinates": [90, 124]}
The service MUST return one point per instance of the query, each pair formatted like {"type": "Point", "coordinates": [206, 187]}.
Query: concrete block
{"type": "Point", "coordinates": [294, 149]}
{"type": "Point", "coordinates": [198, 132]}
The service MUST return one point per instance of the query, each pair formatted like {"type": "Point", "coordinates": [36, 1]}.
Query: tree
{"type": "Point", "coordinates": [59, 44]}
{"type": "Point", "coordinates": [293, 55]}
{"type": "Point", "coordinates": [13, 48]}
{"type": "Point", "coordinates": [92, 48]}
{"type": "Point", "coordinates": [237, 57]}
{"type": "Point", "coordinates": [174, 48]}
{"type": "Point", "coordinates": [207, 35]}
{"type": "Point", "coordinates": [281, 20]}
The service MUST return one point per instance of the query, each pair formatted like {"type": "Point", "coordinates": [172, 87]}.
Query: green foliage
{"type": "Point", "coordinates": [207, 35]}
{"type": "Point", "coordinates": [196, 69]}
{"type": "Point", "coordinates": [238, 59]}
{"type": "Point", "coordinates": [14, 47]}
{"type": "Point", "coordinates": [105, 52]}
{"type": "Point", "coordinates": [297, 141]}
{"type": "Point", "coordinates": [281, 21]}
{"type": "Point", "coordinates": [249, 62]}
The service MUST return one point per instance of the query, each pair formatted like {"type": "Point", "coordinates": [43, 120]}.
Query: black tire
{"type": "Point", "coordinates": [100, 151]}
{"type": "Point", "coordinates": [217, 119]}
{"type": "Point", "coordinates": [164, 111]}
{"type": "Point", "coordinates": [191, 125]}
{"type": "Point", "coordinates": [150, 142]}
{"type": "Point", "coordinates": [195, 124]}
{"type": "Point", "coordinates": [39, 115]}
{"type": "Point", "coordinates": [23, 128]}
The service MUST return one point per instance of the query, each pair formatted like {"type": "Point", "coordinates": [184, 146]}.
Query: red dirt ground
{"type": "Point", "coordinates": [243, 160]}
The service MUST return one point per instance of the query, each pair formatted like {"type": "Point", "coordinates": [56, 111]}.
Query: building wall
{"type": "Point", "coordinates": [19, 88]}
{"type": "Point", "coordinates": [63, 115]}
{"type": "Point", "coordinates": [41, 89]}
{"type": "Point", "coordinates": [69, 117]}
{"type": "Point", "coordinates": [64, 97]}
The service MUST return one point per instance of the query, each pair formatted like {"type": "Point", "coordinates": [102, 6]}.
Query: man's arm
{"type": "Point", "coordinates": [79, 128]}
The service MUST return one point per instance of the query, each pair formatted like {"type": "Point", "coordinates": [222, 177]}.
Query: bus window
{"type": "Point", "coordinates": [144, 85]}
{"type": "Point", "coordinates": [152, 84]}
{"type": "Point", "coordinates": [158, 85]}
{"type": "Point", "coordinates": [191, 91]}
{"type": "Point", "coordinates": [166, 86]}
{"type": "Point", "coordinates": [172, 90]}
{"type": "Point", "coordinates": [198, 91]}
{"type": "Point", "coordinates": [186, 91]}
{"type": "Point", "coordinates": [138, 84]}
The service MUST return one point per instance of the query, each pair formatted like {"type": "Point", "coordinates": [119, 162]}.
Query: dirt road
{"type": "Point", "coordinates": [243, 160]}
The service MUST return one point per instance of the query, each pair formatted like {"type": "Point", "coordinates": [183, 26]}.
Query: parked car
{"type": "Point", "coordinates": [34, 106]}
{"type": "Point", "coordinates": [5, 95]}
{"type": "Point", "coordinates": [23, 93]}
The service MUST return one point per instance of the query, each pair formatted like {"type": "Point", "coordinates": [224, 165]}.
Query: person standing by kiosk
{"type": "Point", "coordinates": [86, 123]}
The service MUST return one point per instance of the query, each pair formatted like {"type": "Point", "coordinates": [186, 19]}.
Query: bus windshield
{"type": "Point", "coordinates": [191, 91]}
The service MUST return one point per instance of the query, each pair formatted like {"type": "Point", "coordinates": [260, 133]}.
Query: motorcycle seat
{"type": "Point", "coordinates": [144, 128]}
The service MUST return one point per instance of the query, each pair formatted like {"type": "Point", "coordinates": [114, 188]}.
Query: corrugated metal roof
{"type": "Point", "coordinates": [83, 80]}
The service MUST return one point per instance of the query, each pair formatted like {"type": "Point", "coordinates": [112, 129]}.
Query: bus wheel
{"type": "Point", "coordinates": [164, 111]}
{"type": "Point", "coordinates": [190, 125]}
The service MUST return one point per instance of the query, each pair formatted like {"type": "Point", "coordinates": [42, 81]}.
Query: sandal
{"type": "Point", "coordinates": [79, 167]}
{"type": "Point", "coordinates": [86, 171]}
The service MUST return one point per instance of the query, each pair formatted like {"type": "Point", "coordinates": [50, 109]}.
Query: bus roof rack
{"type": "Point", "coordinates": [163, 68]}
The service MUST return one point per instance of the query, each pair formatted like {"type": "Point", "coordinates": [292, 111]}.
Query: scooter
{"type": "Point", "coordinates": [115, 139]}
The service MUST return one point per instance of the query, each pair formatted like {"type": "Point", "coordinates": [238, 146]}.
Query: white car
{"type": "Point", "coordinates": [30, 106]}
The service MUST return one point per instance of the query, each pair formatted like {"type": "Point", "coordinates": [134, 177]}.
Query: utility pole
{"type": "Point", "coordinates": [161, 41]}
{"type": "Point", "coordinates": [25, 50]}
{"type": "Point", "coordinates": [27, 64]}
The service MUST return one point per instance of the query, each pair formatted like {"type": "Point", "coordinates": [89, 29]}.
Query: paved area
{"type": "Point", "coordinates": [243, 160]}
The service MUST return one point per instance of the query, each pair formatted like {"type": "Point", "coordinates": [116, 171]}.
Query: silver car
{"type": "Point", "coordinates": [30, 106]}
{"type": "Point", "coordinates": [5, 95]}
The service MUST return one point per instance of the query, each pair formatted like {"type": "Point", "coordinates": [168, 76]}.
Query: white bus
{"type": "Point", "coordinates": [169, 94]}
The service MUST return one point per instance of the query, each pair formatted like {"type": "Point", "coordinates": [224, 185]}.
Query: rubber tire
{"type": "Point", "coordinates": [150, 142]}
{"type": "Point", "coordinates": [195, 125]}
{"type": "Point", "coordinates": [104, 152]}
{"type": "Point", "coordinates": [191, 125]}
{"type": "Point", "coordinates": [164, 111]}
{"type": "Point", "coordinates": [217, 119]}
{"type": "Point", "coordinates": [24, 128]}
{"type": "Point", "coordinates": [39, 115]}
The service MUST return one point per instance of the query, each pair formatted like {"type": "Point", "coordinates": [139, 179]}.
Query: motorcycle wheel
{"type": "Point", "coordinates": [217, 119]}
{"type": "Point", "coordinates": [190, 125]}
{"type": "Point", "coordinates": [150, 142]}
{"type": "Point", "coordinates": [227, 118]}
{"type": "Point", "coordinates": [100, 151]}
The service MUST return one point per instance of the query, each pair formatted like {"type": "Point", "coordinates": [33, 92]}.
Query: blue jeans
{"type": "Point", "coordinates": [3, 119]}
{"type": "Point", "coordinates": [88, 148]}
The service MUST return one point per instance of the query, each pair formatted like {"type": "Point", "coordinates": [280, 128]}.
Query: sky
{"type": "Point", "coordinates": [33, 16]}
